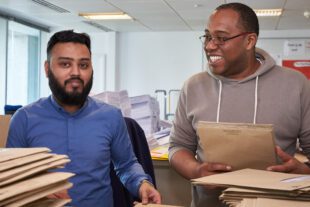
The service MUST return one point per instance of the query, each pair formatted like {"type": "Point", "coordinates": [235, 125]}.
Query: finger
{"type": "Point", "coordinates": [288, 166]}
{"type": "Point", "coordinates": [283, 156]}
{"type": "Point", "coordinates": [218, 167]}
{"type": "Point", "coordinates": [144, 197]}
{"type": "Point", "coordinates": [157, 199]}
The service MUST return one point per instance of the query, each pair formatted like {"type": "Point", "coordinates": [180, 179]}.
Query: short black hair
{"type": "Point", "coordinates": [67, 36]}
{"type": "Point", "coordinates": [248, 18]}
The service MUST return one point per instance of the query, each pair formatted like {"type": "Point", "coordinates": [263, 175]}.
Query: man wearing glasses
{"type": "Point", "coordinates": [242, 84]}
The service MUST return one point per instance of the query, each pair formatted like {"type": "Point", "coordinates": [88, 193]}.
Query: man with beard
{"type": "Point", "coordinates": [90, 132]}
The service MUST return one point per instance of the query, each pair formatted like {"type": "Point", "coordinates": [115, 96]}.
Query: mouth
{"type": "Point", "coordinates": [75, 83]}
{"type": "Point", "coordinates": [214, 59]}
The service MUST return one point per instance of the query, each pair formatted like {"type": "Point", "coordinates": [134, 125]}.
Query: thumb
{"type": "Point", "coordinates": [144, 196]}
{"type": "Point", "coordinates": [284, 156]}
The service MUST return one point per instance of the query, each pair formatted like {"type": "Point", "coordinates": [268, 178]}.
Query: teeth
{"type": "Point", "coordinates": [215, 58]}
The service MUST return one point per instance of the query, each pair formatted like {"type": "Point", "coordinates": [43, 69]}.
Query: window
{"type": "Point", "coordinates": [23, 55]}
{"type": "Point", "coordinates": [3, 44]}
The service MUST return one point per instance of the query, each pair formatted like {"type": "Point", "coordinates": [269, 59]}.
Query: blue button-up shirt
{"type": "Point", "coordinates": [91, 137]}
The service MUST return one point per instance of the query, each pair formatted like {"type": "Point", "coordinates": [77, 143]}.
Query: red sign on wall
{"type": "Point", "coordinates": [300, 65]}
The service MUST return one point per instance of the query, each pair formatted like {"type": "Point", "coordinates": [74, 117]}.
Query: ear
{"type": "Point", "coordinates": [46, 68]}
{"type": "Point", "coordinates": [251, 41]}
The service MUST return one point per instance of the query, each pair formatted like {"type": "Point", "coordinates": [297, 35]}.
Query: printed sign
{"type": "Point", "coordinates": [300, 65]}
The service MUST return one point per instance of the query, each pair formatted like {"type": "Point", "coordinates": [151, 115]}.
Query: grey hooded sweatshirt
{"type": "Point", "coordinates": [272, 95]}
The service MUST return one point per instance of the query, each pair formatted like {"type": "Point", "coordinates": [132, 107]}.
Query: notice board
{"type": "Point", "coordinates": [300, 65]}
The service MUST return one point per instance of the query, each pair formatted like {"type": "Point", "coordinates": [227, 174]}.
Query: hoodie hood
{"type": "Point", "coordinates": [267, 63]}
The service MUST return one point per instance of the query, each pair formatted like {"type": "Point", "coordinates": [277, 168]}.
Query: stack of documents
{"type": "Point", "coordinates": [160, 152]}
{"type": "Point", "coordinates": [250, 187]}
{"type": "Point", "coordinates": [118, 99]}
{"type": "Point", "coordinates": [145, 110]}
{"type": "Point", "coordinates": [25, 180]}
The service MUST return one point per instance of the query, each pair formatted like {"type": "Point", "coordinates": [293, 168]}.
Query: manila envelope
{"type": "Point", "coordinates": [239, 145]}
{"type": "Point", "coordinates": [4, 128]}
{"type": "Point", "coordinates": [258, 202]}
{"type": "Point", "coordinates": [257, 179]}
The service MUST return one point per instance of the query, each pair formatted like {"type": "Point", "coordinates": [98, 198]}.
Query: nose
{"type": "Point", "coordinates": [210, 45]}
{"type": "Point", "coordinates": [75, 70]}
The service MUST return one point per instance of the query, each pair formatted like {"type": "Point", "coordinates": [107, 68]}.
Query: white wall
{"type": "Point", "coordinates": [164, 60]}
{"type": "Point", "coordinates": [157, 60]}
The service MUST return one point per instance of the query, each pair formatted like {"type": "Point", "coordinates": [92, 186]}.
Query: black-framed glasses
{"type": "Point", "coordinates": [219, 40]}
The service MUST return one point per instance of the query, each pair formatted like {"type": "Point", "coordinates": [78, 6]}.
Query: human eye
{"type": "Point", "coordinates": [84, 65]}
{"type": "Point", "coordinates": [64, 64]}
{"type": "Point", "coordinates": [221, 39]}
{"type": "Point", "coordinates": [208, 37]}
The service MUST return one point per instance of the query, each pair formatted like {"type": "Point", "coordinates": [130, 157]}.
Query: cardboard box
{"type": "Point", "coordinates": [4, 128]}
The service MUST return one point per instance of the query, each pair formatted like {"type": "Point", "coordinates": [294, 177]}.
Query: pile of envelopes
{"type": "Point", "coordinates": [25, 180]}
{"type": "Point", "coordinates": [259, 188]}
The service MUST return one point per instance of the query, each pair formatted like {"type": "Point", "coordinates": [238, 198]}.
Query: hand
{"type": "Point", "coordinates": [206, 169]}
{"type": "Point", "coordinates": [148, 194]}
{"type": "Point", "coordinates": [209, 168]}
{"type": "Point", "coordinates": [290, 164]}
{"type": "Point", "coordinates": [62, 195]}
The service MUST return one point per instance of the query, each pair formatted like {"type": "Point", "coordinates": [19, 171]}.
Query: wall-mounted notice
{"type": "Point", "coordinates": [294, 48]}
{"type": "Point", "coordinates": [300, 65]}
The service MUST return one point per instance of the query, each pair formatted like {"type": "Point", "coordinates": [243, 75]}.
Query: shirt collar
{"type": "Point", "coordinates": [63, 111]}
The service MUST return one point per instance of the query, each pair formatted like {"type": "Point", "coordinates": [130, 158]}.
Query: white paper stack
{"type": "Point", "coordinates": [118, 99]}
{"type": "Point", "coordinates": [145, 110]}
{"type": "Point", "coordinates": [25, 180]}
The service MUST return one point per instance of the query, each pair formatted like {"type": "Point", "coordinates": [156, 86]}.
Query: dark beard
{"type": "Point", "coordinates": [74, 98]}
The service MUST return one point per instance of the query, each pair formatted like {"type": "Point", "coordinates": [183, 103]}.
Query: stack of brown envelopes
{"type": "Point", "coordinates": [259, 188]}
{"type": "Point", "coordinates": [25, 179]}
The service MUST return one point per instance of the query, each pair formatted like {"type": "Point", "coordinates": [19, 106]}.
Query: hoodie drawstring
{"type": "Point", "coordinates": [220, 99]}
{"type": "Point", "coordinates": [255, 106]}
{"type": "Point", "coordinates": [219, 102]}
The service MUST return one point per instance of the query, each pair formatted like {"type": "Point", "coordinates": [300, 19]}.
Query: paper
{"type": "Point", "coordinates": [4, 128]}
{"type": "Point", "coordinates": [238, 145]}
{"type": "Point", "coordinates": [160, 152]}
{"type": "Point", "coordinates": [154, 205]}
{"type": "Point", "coordinates": [258, 179]}
{"type": "Point", "coordinates": [7, 154]}
{"type": "Point", "coordinates": [48, 202]}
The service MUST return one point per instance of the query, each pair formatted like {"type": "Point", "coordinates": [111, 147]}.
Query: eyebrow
{"type": "Point", "coordinates": [68, 58]}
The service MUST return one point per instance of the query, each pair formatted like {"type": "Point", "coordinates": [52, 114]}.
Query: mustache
{"type": "Point", "coordinates": [74, 78]}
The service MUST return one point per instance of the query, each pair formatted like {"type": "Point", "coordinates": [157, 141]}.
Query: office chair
{"type": "Point", "coordinates": [121, 197]}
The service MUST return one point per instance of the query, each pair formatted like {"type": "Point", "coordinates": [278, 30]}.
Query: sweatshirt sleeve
{"type": "Point", "coordinates": [304, 136]}
{"type": "Point", "coordinates": [183, 135]}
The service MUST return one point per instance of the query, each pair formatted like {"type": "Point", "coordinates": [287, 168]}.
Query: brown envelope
{"type": "Point", "coordinates": [239, 145]}
{"type": "Point", "coordinates": [49, 202]}
{"type": "Point", "coordinates": [7, 154]}
{"type": "Point", "coordinates": [259, 202]}
{"type": "Point", "coordinates": [257, 179]}
{"type": "Point", "coordinates": [4, 128]}
{"type": "Point", "coordinates": [154, 205]}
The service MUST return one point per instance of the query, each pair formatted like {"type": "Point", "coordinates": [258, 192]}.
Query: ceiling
{"type": "Point", "coordinates": [149, 15]}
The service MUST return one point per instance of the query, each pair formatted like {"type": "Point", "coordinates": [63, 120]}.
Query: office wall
{"type": "Point", "coordinates": [164, 60]}
{"type": "Point", "coordinates": [142, 62]}
{"type": "Point", "coordinates": [157, 60]}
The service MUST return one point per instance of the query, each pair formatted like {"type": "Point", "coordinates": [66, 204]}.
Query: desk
{"type": "Point", "coordinates": [174, 189]}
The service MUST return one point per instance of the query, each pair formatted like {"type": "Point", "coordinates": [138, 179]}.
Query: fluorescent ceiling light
{"type": "Point", "coordinates": [105, 16]}
{"type": "Point", "coordinates": [268, 12]}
